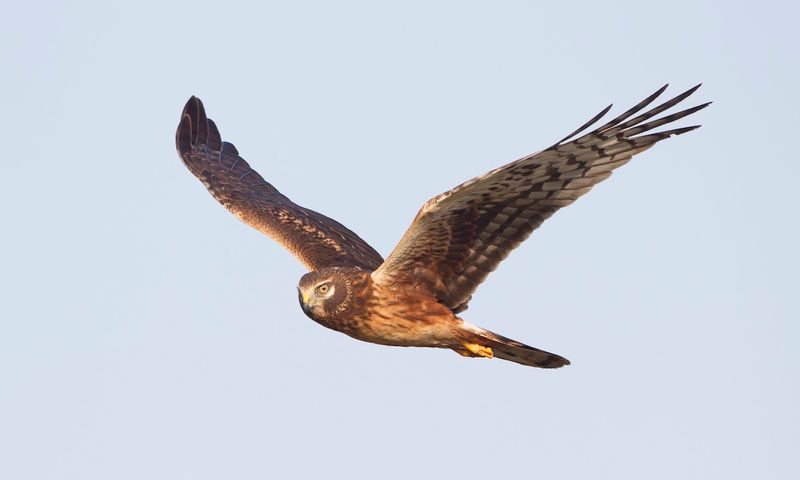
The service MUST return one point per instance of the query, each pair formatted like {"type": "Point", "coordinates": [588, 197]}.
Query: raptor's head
{"type": "Point", "coordinates": [325, 293]}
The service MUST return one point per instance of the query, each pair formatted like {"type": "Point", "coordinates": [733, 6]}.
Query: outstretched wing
{"type": "Point", "coordinates": [460, 236]}
{"type": "Point", "coordinates": [316, 240]}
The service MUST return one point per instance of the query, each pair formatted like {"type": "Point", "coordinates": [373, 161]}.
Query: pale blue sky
{"type": "Point", "coordinates": [146, 333]}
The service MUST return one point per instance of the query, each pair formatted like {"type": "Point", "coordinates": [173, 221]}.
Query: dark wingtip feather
{"type": "Point", "coordinates": [694, 109]}
{"type": "Point", "coordinates": [201, 135]}
{"type": "Point", "coordinates": [191, 103]}
{"type": "Point", "coordinates": [183, 136]}
{"type": "Point", "coordinates": [683, 96]}
{"type": "Point", "coordinates": [681, 131]}
{"type": "Point", "coordinates": [633, 131]}
{"type": "Point", "coordinates": [585, 125]}
{"type": "Point", "coordinates": [193, 127]}
{"type": "Point", "coordinates": [192, 107]}
{"type": "Point", "coordinates": [653, 138]}
{"type": "Point", "coordinates": [214, 139]}
{"type": "Point", "coordinates": [657, 93]}
{"type": "Point", "coordinates": [656, 110]}
{"type": "Point", "coordinates": [634, 109]}
{"type": "Point", "coordinates": [622, 117]}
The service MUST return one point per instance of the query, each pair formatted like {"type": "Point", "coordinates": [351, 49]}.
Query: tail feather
{"type": "Point", "coordinates": [512, 350]}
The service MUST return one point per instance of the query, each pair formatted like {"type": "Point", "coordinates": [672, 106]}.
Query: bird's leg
{"type": "Point", "coordinates": [479, 350]}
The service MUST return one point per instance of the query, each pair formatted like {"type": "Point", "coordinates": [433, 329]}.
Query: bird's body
{"type": "Point", "coordinates": [398, 315]}
{"type": "Point", "coordinates": [403, 314]}
{"type": "Point", "coordinates": [412, 298]}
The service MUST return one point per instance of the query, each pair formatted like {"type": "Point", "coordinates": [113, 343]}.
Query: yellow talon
{"type": "Point", "coordinates": [479, 350]}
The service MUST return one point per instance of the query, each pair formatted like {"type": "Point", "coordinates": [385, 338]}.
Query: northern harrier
{"type": "Point", "coordinates": [412, 298]}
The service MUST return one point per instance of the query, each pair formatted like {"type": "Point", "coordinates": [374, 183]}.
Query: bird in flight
{"type": "Point", "coordinates": [414, 296]}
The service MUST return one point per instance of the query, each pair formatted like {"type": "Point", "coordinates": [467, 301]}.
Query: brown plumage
{"type": "Point", "coordinates": [456, 239]}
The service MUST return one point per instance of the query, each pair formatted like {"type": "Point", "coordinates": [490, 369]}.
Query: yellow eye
{"type": "Point", "coordinates": [323, 288]}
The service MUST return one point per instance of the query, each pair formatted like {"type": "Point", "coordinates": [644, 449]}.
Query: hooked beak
{"type": "Point", "coordinates": [305, 302]}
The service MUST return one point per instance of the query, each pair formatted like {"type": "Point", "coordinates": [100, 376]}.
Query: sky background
{"type": "Point", "coordinates": [146, 333]}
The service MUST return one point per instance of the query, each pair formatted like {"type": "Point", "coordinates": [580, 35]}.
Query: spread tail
{"type": "Point", "coordinates": [478, 342]}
